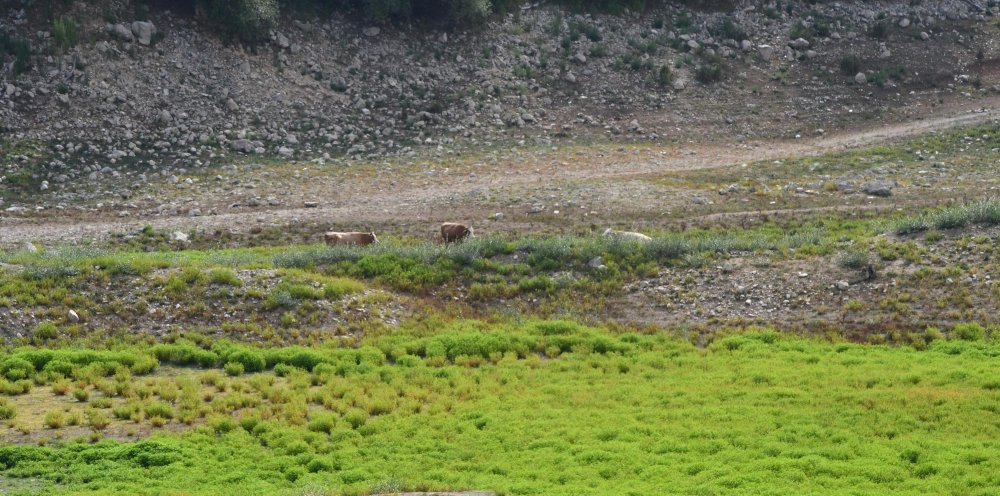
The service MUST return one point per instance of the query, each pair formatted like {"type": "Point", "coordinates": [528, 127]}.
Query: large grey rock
{"type": "Point", "coordinates": [766, 52]}
{"type": "Point", "coordinates": [143, 32]}
{"type": "Point", "coordinates": [242, 146]}
{"type": "Point", "coordinates": [799, 44]}
{"type": "Point", "coordinates": [121, 31]}
{"type": "Point", "coordinates": [860, 78]}
{"type": "Point", "coordinates": [878, 187]}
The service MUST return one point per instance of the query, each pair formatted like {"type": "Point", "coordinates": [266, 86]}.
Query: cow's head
{"type": "Point", "coordinates": [374, 239]}
{"type": "Point", "coordinates": [472, 233]}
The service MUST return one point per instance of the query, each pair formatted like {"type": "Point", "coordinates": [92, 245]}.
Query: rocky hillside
{"type": "Point", "coordinates": [144, 97]}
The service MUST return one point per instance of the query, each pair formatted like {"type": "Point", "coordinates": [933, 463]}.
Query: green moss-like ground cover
{"type": "Point", "coordinates": [557, 408]}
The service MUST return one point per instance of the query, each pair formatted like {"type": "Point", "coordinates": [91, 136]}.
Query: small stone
{"type": "Point", "coordinates": [372, 31]}
{"type": "Point", "coordinates": [596, 263]}
{"type": "Point", "coordinates": [179, 237]}
{"type": "Point", "coordinates": [72, 316]}
{"type": "Point", "coordinates": [843, 285]}
{"type": "Point", "coordinates": [799, 44]}
{"type": "Point", "coordinates": [30, 247]}
{"type": "Point", "coordinates": [904, 22]}
{"type": "Point", "coordinates": [860, 78]}
{"type": "Point", "coordinates": [924, 36]}
{"type": "Point", "coordinates": [310, 204]}
{"type": "Point", "coordinates": [766, 52]}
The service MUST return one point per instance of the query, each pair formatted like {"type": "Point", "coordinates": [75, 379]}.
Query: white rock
{"type": "Point", "coordinates": [179, 236]}
{"type": "Point", "coordinates": [904, 22]}
{"type": "Point", "coordinates": [30, 247]}
{"type": "Point", "coordinates": [860, 78]}
{"type": "Point", "coordinates": [72, 316]}
{"type": "Point", "coordinates": [143, 32]}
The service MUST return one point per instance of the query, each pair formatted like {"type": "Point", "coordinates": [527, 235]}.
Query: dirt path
{"type": "Point", "coordinates": [393, 199]}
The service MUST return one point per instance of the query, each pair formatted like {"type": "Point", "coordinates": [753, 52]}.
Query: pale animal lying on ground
{"type": "Point", "coordinates": [350, 238]}
{"type": "Point", "coordinates": [452, 232]}
{"type": "Point", "coordinates": [627, 235]}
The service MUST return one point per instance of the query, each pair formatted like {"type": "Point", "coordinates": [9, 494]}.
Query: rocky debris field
{"type": "Point", "coordinates": [138, 101]}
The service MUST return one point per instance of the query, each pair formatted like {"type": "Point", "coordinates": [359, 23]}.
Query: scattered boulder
{"type": "Point", "coordinates": [122, 32]}
{"type": "Point", "coordinates": [860, 78]}
{"type": "Point", "coordinates": [143, 32]}
{"type": "Point", "coordinates": [242, 146]}
{"type": "Point", "coordinates": [766, 52]}
{"type": "Point", "coordinates": [799, 44]}
{"type": "Point", "coordinates": [878, 187]}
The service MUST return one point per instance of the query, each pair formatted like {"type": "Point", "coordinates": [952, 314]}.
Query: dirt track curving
{"type": "Point", "coordinates": [383, 200]}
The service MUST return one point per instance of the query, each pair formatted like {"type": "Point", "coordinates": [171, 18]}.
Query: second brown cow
{"type": "Point", "coordinates": [453, 232]}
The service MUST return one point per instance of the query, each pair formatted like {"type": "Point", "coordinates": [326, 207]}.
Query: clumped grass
{"type": "Point", "coordinates": [618, 408]}
{"type": "Point", "coordinates": [854, 259]}
{"type": "Point", "coordinates": [984, 211]}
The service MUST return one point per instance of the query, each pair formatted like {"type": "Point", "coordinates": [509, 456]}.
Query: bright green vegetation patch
{"type": "Point", "coordinates": [547, 407]}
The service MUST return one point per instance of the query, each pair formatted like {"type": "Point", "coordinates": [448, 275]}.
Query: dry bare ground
{"type": "Point", "coordinates": [413, 195]}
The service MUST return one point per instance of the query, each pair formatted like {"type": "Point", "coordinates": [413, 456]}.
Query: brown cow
{"type": "Point", "coordinates": [350, 238]}
{"type": "Point", "coordinates": [453, 232]}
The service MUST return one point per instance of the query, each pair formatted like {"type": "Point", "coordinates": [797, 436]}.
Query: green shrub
{"type": "Point", "coordinates": [60, 367]}
{"type": "Point", "coordinates": [322, 422]}
{"type": "Point", "coordinates": [81, 395]}
{"type": "Point", "coordinates": [854, 259]}
{"type": "Point", "coordinates": [233, 368]}
{"type": "Point", "coordinates": [727, 29]}
{"type": "Point", "coordinates": [16, 368]}
{"type": "Point", "coordinates": [968, 332]}
{"type": "Point", "coordinates": [46, 330]}
{"type": "Point", "coordinates": [54, 419]}
{"type": "Point", "coordinates": [225, 277]}
{"type": "Point", "coordinates": [159, 409]}
{"type": "Point", "coordinates": [185, 354]}
{"type": "Point", "coordinates": [339, 287]}
{"type": "Point", "coordinates": [7, 411]}
{"type": "Point", "coordinates": [18, 48]}
{"type": "Point", "coordinates": [64, 33]}
{"type": "Point", "coordinates": [850, 65]}
{"type": "Point", "coordinates": [709, 71]}
{"type": "Point", "coordinates": [664, 77]}
{"type": "Point", "coordinates": [251, 360]}
{"type": "Point", "coordinates": [879, 30]}
{"type": "Point", "coordinates": [248, 21]}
